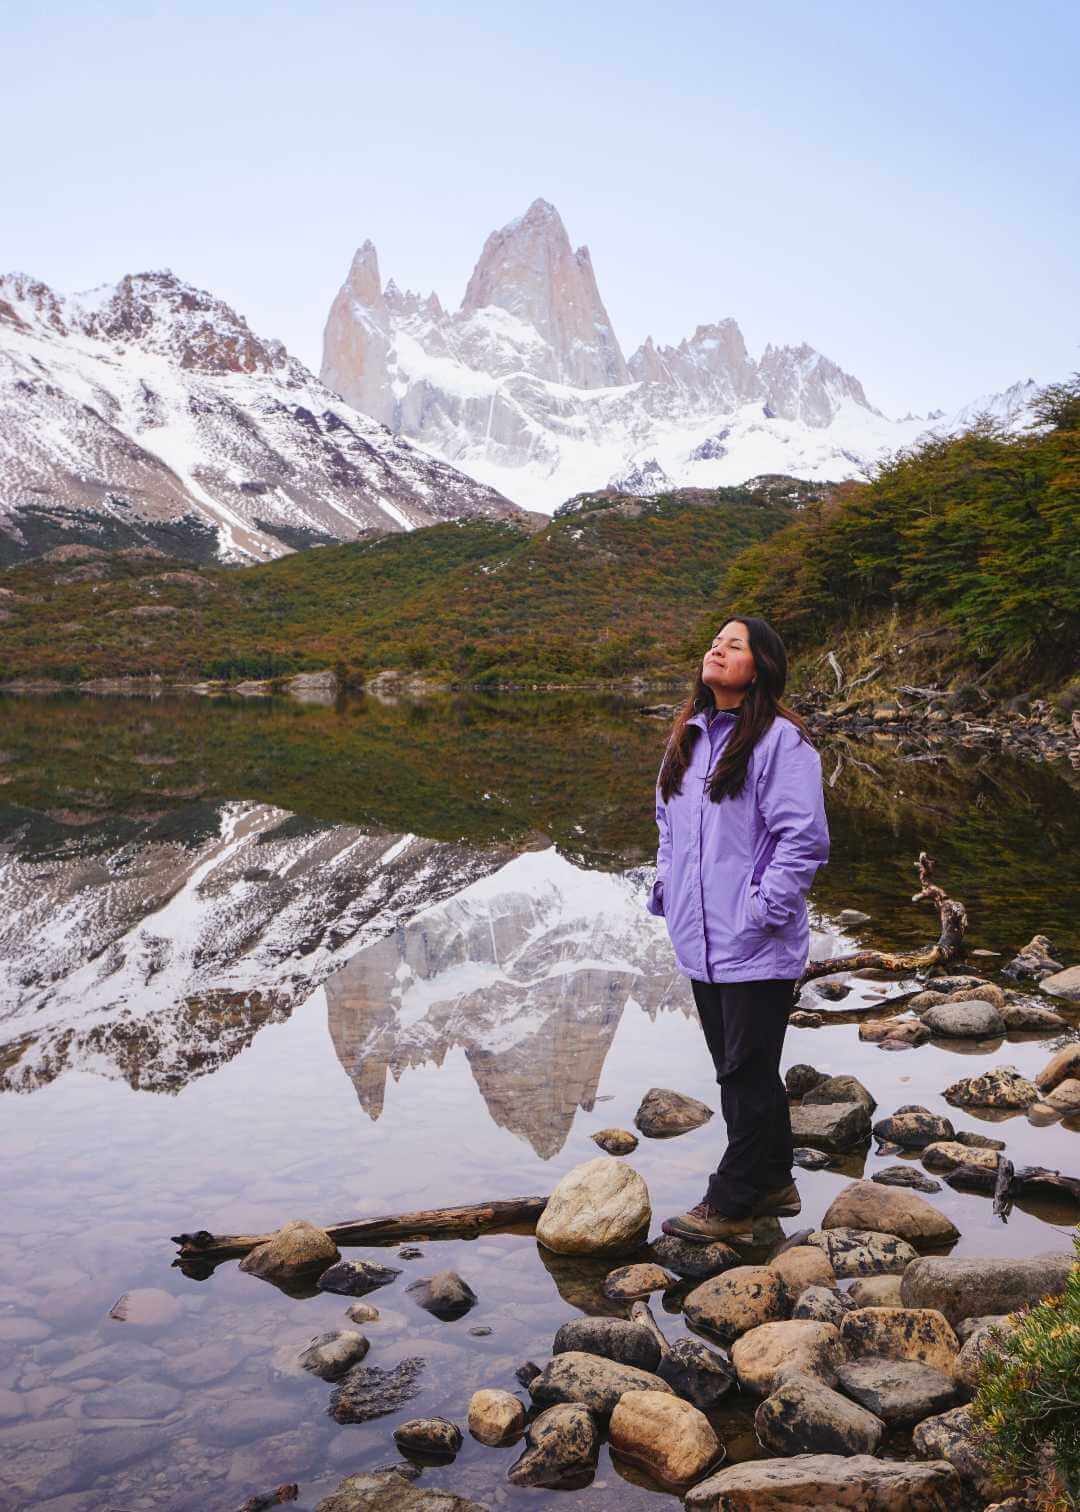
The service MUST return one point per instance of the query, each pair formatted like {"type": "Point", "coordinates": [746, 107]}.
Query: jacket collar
{"type": "Point", "coordinates": [701, 719]}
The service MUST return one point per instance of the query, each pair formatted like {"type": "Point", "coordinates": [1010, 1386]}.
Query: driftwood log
{"type": "Point", "coordinates": [433, 1223]}
{"type": "Point", "coordinates": [954, 920]}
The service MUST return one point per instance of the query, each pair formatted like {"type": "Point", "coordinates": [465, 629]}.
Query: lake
{"type": "Point", "coordinates": [265, 960]}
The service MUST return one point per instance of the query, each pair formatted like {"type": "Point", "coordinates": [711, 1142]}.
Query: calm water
{"type": "Point", "coordinates": [260, 962]}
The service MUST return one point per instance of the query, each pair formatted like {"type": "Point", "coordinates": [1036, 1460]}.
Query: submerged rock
{"type": "Point", "coordinates": [726, 1306]}
{"type": "Point", "coordinates": [805, 1416]}
{"type": "Point", "coordinates": [628, 1343]}
{"type": "Point", "coordinates": [595, 1382]}
{"type": "Point", "coordinates": [354, 1278]}
{"type": "Point", "coordinates": [696, 1372]}
{"type": "Point", "coordinates": [330, 1355]}
{"type": "Point", "coordinates": [906, 1176]}
{"type": "Point", "coordinates": [897, 1391]}
{"type": "Point", "coordinates": [615, 1141]}
{"type": "Point", "coordinates": [867, 1205]}
{"type": "Point", "coordinates": [971, 1286]}
{"type": "Point", "coordinates": [855, 1481]}
{"type": "Point", "coordinates": [861, 1252]}
{"type": "Point", "coordinates": [669, 1438]}
{"type": "Point", "coordinates": [1001, 1087]}
{"type": "Point", "coordinates": [597, 1208]}
{"type": "Point", "coordinates": [298, 1250]}
{"type": "Point", "coordinates": [362, 1312]}
{"type": "Point", "coordinates": [368, 1391]}
{"type": "Point", "coordinates": [664, 1113]}
{"type": "Point", "coordinates": [562, 1445]}
{"type": "Point", "coordinates": [445, 1295]}
{"type": "Point", "coordinates": [389, 1491]}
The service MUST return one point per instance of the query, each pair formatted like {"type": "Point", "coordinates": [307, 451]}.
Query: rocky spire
{"type": "Point", "coordinates": [356, 341]}
{"type": "Point", "coordinates": [529, 269]}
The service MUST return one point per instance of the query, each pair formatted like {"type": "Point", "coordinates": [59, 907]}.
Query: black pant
{"type": "Point", "coordinates": [744, 1024]}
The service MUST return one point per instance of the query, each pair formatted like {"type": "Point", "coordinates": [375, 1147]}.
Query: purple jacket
{"type": "Point", "coordinates": [732, 877]}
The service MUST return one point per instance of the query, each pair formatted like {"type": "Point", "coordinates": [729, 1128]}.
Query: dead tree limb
{"type": "Point", "coordinates": [433, 1223]}
{"type": "Point", "coordinates": [954, 921]}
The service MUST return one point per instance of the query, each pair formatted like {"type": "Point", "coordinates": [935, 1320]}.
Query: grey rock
{"type": "Point", "coordinates": [527, 1372]}
{"type": "Point", "coordinates": [913, 1126]}
{"type": "Point", "coordinates": [863, 1252]}
{"type": "Point", "coordinates": [388, 1490]}
{"type": "Point", "coordinates": [331, 1355]}
{"type": "Point", "coordinates": [968, 1019]}
{"type": "Point", "coordinates": [354, 1278]}
{"type": "Point", "coordinates": [805, 1416]}
{"type": "Point", "coordinates": [968, 1326]}
{"type": "Point", "coordinates": [970, 1286]}
{"type": "Point", "coordinates": [1064, 984]}
{"type": "Point", "coordinates": [694, 1261]}
{"type": "Point", "coordinates": [1035, 960]}
{"type": "Point", "coordinates": [134, 1397]}
{"type": "Point", "coordinates": [641, 1314]}
{"type": "Point", "coordinates": [829, 1126]}
{"type": "Point", "coordinates": [664, 1113]}
{"type": "Point", "coordinates": [369, 1391]}
{"type": "Point", "coordinates": [858, 1482]}
{"type": "Point", "coordinates": [445, 1295]}
{"type": "Point", "coordinates": [978, 1141]}
{"type": "Point", "coordinates": [831, 991]}
{"type": "Point", "coordinates": [822, 1304]}
{"type": "Point", "coordinates": [990, 1336]}
{"type": "Point", "coordinates": [696, 1372]}
{"type": "Point", "coordinates": [949, 984]}
{"type": "Point", "coordinates": [897, 1391]}
{"type": "Point", "coordinates": [800, 1078]}
{"type": "Point", "coordinates": [1025, 1015]}
{"type": "Point", "coordinates": [614, 1338]}
{"type": "Point", "coordinates": [362, 1312]}
{"type": "Point", "coordinates": [849, 916]}
{"type": "Point", "coordinates": [841, 1089]}
{"type": "Point", "coordinates": [905, 1176]}
{"type": "Point", "coordinates": [1001, 1087]}
{"type": "Point", "coordinates": [811, 1160]}
{"type": "Point", "coordinates": [561, 1447]}
{"type": "Point", "coordinates": [433, 1435]}
{"type": "Point", "coordinates": [592, 1380]}
{"type": "Point", "coordinates": [949, 1436]}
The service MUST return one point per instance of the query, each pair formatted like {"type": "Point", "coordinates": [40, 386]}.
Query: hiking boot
{"type": "Point", "coordinates": [703, 1224]}
{"type": "Point", "coordinates": [785, 1202]}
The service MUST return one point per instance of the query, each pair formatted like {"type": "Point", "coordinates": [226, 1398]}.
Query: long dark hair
{"type": "Point", "coordinates": [760, 706]}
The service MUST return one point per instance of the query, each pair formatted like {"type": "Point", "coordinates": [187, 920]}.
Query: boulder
{"type": "Point", "coordinates": [445, 1295]}
{"type": "Point", "coordinates": [798, 1079]}
{"type": "Point", "coordinates": [743, 1298]}
{"type": "Point", "coordinates": [947, 1154]}
{"type": "Point", "coordinates": [600, 1207]}
{"type": "Point", "coordinates": [912, 1126]}
{"type": "Point", "coordinates": [353, 1278]}
{"type": "Point", "coordinates": [389, 1491]}
{"type": "Point", "coordinates": [1060, 1067]}
{"type": "Point", "coordinates": [331, 1355]}
{"type": "Point", "coordinates": [663, 1113]}
{"type": "Point", "coordinates": [1063, 984]}
{"type": "Point", "coordinates": [368, 1391]}
{"type": "Point", "coordinates": [696, 1372]}
{"type": "Point", "coordinates": [669, 1438]}
{"type": "Point", "coordinates": [841, 1089]}
{"type": "Point", "coordinates": [297, 1251]}
{"type": "Point", "coordinates": [966, 1018]}
{"type": "Point", "coordinates": [433, 1435]}
{"type": "Point", "coordinates": [615, 1141]}
{"type": "Point", "coordinates": [561, 1448]}
{"type": "Point", "coordinates": [971, 1286]}
{"type": "Point", "coordinates": [862, 1252]}
{"type": "Point", "coordinates": [1027, 1015]}
{"type": "Point", "coordinates": [628, 1282]}
{"type": "Point", "coordinates": [694, 1261]}
{"type": "Point", "coordinates": [906, 1176]}
{"type": "Point", "coordinates": [897, 1391]}
{"type": "Point", "coordinates": [855, 1483]}
{"type": "Point", "coordinates": [829, 1126]}
{"type": "Point", "coordinates": [764, 1356]}
{"type": "Point", "coordinates": [949, 1436]}
{"type": "Point", "coordinates": [888, 1210]}
{"type": "Point", "coordinates": [901, 1333]}
{"type": "Point", "coordinates": [1066, 1095]}
{"type": "Point", "coordinates": [1034, 960]}
{"type": "Point", "coordinates": [1000, 1087]}
{"type": "Point", "coordinates": [805, 1416]}
{"type": "Point", "coordinates": [822, 1305]}
{"type": "Point", "coordinates": [802, 1266]}
{"type": "Point", "coordinates": [614, 1338]}
{"type": "Point", "coordinates": [875, 1291]}
{"type": "Point", "coordinates": [989, 1336]}
{"type": "Point", "coordinates": [495, 1417]}
{"type": "Point", "coordinates": [596, 1382]}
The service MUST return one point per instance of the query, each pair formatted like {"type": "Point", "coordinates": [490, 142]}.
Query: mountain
{"type": "Point", "coordinates": [149, 413]}
{"type": "Point", "coordinates": [525, 386]}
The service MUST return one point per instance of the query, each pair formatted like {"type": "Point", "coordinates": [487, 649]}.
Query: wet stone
{"type": "Point", "coordinates": [832, 992]}
{"type": "Point", "coordinates": [354, 1278]}
{"type": "Point", "coordinates": [669, 1438]}
{"type": "Point", "coordinates": [664, 1113]}
{"type": "Point", "coordinates": [700, 1374]}
{"type": "Point", "coordinates": [829, 1126]}
{"type": "Point", "coordinates": [527, 1372]}
{"type": "Point", "coordinates": [811, 1160]}
{"type": "Point", "coordinates": [971, 1286]}
{"type": "Point", "coordinates": [388, 1491]}
{"type": "Point", "coordinates": [860, 1252]}
{"type": "Point", "coordinates": [433, 1435]}
{"type": "Point", "coordinates": [806, 1416]}
{"type": "Point", "coordinates": [409, 1252]}
{"type": "Point", "coordinates": [495, 1417]}
{"type": "Point", "coordinates": [743, 1298]}
{"type": "Point", "coordinates": [331, 1355]}
{"type": "Point", "coordinates": [562, 1445]}
{"type": "Point", "coordinates": [965, 1019]}
{"type": "Point", "coordinates": [901, 1333]}
{"type": "Point", "coordinates": [616, 1339]}
{"type": "Point", "coordinates": [911, 1127]}
{"type": "Point", "coordinates": [875, 1291]}
{"type": "Point", "coordinates": [765, 1356]}
{"type": "Point", "coordinates": [800, 1078]}
{"type": "Point", "coordinates": [841, 1089]}
{"type": "Point", "coordinates": [905, 1176]}
{"type": "Point", "coordinates": [827, 1481]}
{"type": "Point", "coordinates": [298, 1249]}
{"type": "Point", "coordinates": [629, 1282]}
{"type": "Point", "coordinates": [802, 1019]}
{"type": "Point", "coordinates": [822, 1304]}
{"type": "Point", "coordinates": [445, 1295]}
{"type": "Point", "coordinates": [887, 1210]}
{"type": "Point", "coordinates": [369, 1391]}
{"type": "Point", "coordinates": [897, 1391]}
{"type": "Point", "coordinates": [694, 1261]}
{"type": "Point", "coordinates": [1001, 1087]}
{"type": "Point", "coordinates": [978, 1141]}
{"type": "Point", "coordinates": [595, 1382]}
{"type": "Point", "coordinates": [362, 1312]}
{"type": "Point", "coordinates": [615, 1141]}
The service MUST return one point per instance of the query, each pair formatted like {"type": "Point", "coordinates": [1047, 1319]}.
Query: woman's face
{"type": "Point", "coordinates": [729, 663]}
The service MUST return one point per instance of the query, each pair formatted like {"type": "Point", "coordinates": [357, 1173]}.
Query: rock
{"type": "Point", "coordinates": [313, 687]}
{"type": "Point", "coordinates": [968, 1326]}
{"type": "Point", "coordinates": [887, 1210]}
{"type": "Point", "coordinates": [599, 1207]}
{"type": "Point", "coordinates": [947, 1154]}
{"type": "Point", "coordinates": [912, 1126]}
{"type": "Point", "coordinates": [146, 1307]}
{"type": "Point", "coordinates": [481, 1331]}
{"type": "Point", "coordinates": [856, 1483]}
{"type": "Point", "coordinates": [669, 1438]}
{"type": "Point", "coordinates": [614, 1338]}
{"type": "Point", "coordinates": [849, 916]}
{"type": "Point", "coordinates": [433, 1435]}
{"type": "Point", "coordinates": [596, 1382]}
{"type": "Point", "coordinates": [951, 984]}
{"type": "Point", "coordinates": [1063, 1065]}
{"type": "Point", "coordinates": [696, 1372]}
{"type": "Point", "coordinates": [971, 1286]}
{"type": "Point", "coordinates": [409, 1252]}
{"type": "Point", "coordinates": [528, 1372]}
{"type": "Point", "coordinates": [906, 1176]}
{"type": "Point", "coordinates": [967, 1019]}
{"type": "Point", "coordinates": [445, 1295]}
{"type": "Point", "coordinates": [927, 999]}
{"type": "Point", "coordinates": [562, 1445]}
{"type": "Point", "coordinates": [298, 1250]}
{"type": "Point", "coordinates": [985, 992]}
{"type": "Point", "coordinates": [368, 1391]}
{"type": "Point", "coordinates": [894, 1032]}
{"type": "Point", "coordinates": [897, 1391]}
{"type": "Point", "coordinates": [1064, 984]}
{"type": "Point", "coordinates": [765, 1355]}
{"type": "Point", "coordinates": [615, 1141]}
{"type": "Point", "coordinates": [362, 1312]}
{"type": "Point", "coordinates": [742, 1298]}
{"type": "Point", "coordinates": [1035, 960]}
{"type": "Point", "coordinates": [811, 1160]}
{"type": "Point", "coordinates": [977, 1141]}
{"type": "Point", "coordinates": [389, 1491]}
{"type": "Point", "coordinates": [1001, 1087]}
{"type": "Point", "coordinates": [875, 1291]}
{"type": "Point", "coordinates": [861, 1252]}
{"type": "Point", "coordinates": [1066, 1095]}
{"type": "Point", "coordinates": [353, 1278]}
{"type": "Point", "coordinates": [495, 1417]}
{"type": "Point", "coordinates": [841, 1089]}
{"type": "Point", "coordinates": [663, 1113]}
{"type": "Point", "coordinates": [800, 1078]}
{"type": "Point", "coordinates": [887, 1147]}
{"type": "Point", "coordinates": [330, 1355]}
{"type": "Point", "coordinates": [802, 1019]}
{"type": "Point", "coordinates": [631, 1281]}
{"type": "Point", "coordinates": [802, 1266]}
{"type": "Point", "coordinates": [949, 1436]}
{"type": "Point", "coordinates": [641, 1314]}
{"type": "Point", "coordinates": [829, 1126]}
{"type": "Point", "coordinates": [901, 1333]}
{"type": "Point", "coordinates": [694, 1261]}
{"type": "Point", "coordinates": [1027, 1015]}
{"type": "Point", "coordinates": [822, 1305]}
{"type": "Point", "coordinates": [805, 1416]}
{"type": "Point", "coordinates": [831, 991]}
{"type": "Point", "coordinates": [987, 1337]}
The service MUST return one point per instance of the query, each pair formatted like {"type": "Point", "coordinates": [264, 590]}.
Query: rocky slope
{"type": "Point", "coordinates": [150, 413]}
{"type": "Point", "coordinates": [525, 386]}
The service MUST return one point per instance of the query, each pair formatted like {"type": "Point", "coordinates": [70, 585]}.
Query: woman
{"type": "Point", "coordinates": [741, 814]}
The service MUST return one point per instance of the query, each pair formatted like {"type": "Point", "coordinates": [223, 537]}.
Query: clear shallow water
{"type": "Point", "coordinates": [538, 1006]}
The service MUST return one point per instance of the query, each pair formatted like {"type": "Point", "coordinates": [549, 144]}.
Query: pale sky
{"type": "Point", "coordinates": [894, 183]}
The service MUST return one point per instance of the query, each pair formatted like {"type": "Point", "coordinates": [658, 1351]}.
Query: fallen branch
{"type": "Point", "coordinates": [433, 1223]}
{"type": "Point", "coordinates": [835, 665]}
